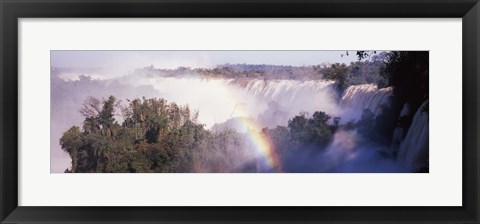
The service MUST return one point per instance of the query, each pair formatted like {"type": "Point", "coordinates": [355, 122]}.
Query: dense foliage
{"type": "Point", "coordinates": [155, 136]}
{"type": "Point", "coordinates": [408, 73]}
{"type": "Point", "coordinates": [360, 72]}
{"type": "Point", "coordinates": [356, 73]}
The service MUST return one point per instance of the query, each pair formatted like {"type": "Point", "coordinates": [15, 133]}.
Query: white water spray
{"type": "Point", "coordinates": [413, 151]}
{"type": "Point", "coordinates": [359, 97]}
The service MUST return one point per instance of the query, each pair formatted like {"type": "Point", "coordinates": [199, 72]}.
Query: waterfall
{"type": "Point", "coordinates": [413, 151]}
{"type": "Point", "coordinates": [270, 102]}
{"type": "Point", "coordinates": [285, 99]}
{"type": "Point", "coordinates": [284, 89]}
{"type": "Point", "coordinates": [399, 132]}
{"type": "Point", "coordinates": [359, 97]}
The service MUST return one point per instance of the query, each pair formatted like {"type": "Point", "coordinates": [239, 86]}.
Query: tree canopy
{"type": "Point", "coordinates": [155, 136]}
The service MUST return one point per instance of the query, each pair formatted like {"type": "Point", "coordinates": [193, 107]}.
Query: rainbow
{"type": "Point", "coordinates": [261, 142]}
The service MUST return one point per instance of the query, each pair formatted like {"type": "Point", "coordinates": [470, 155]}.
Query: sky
{"type": "Point", "coordinates": [125, 61]}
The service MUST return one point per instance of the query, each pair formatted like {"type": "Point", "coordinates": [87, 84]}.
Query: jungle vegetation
{"type": "Point", "coordinates": [154, 135]}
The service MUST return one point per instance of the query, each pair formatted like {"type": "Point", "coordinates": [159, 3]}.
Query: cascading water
{"type": "Point", "coordinates": [288, 98]}
{"type": "Point", "coordinates": [356, 98]}
{"type": "Point", "coordinates": [413, 152]}
{"type": "Point", "coordinates": [399, 132]}
{"type": "Point", "coordinates": [284, 89]}
{"type": "Point", "coordinates": [270, 102]}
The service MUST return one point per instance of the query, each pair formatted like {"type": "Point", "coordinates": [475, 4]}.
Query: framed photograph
{"type": "Point", "coordinates": [239, 111]}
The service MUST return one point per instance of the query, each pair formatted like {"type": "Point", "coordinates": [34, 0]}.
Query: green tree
{"type": "Point", "coordinates": [311, 132]}
{"type": "Point", "coordinates": [337, 72]}
{"type": "Point", "coordinates": [70, 142]}
{"type": "Point", "coordinates": [155, 136]}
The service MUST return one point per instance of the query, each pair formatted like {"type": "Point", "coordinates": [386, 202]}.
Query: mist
{"type": "Point", "coordinates": [67, 97]}
{"type": "Point", "coordinates": [220, 103]}
{"type": "Point", "coordinates": [307, 116]}
{"type": "Point", "coordinates": [349, 152]}
{"type": "Point", "coordinates": [270, 102]}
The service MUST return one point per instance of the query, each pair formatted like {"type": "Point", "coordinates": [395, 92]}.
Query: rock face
{"type": "Point", "coordinates": [413, 152]}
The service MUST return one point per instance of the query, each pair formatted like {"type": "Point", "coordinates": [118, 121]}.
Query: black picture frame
{"type": "Point", "coordinates": [12, 10]}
